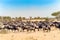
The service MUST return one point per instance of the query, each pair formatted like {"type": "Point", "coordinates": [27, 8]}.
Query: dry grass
{"type": "Point", "coordinates": [3, 31]}
{"type": "Point", "coordinates": [53, 35]}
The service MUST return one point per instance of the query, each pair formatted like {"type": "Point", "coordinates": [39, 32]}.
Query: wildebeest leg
{"type": "Point", "coordinates": [34, 30]}
{"type": "Point", "coordinates": [30, 30]}
{"type": "Point", "coordinates": [44, 29]}
{"type": "Point", "coordinates": [27, 30]}
{"type": "Point", "coordinates": [49, 29]}
{"type": "Point", "coordinates": [23, 30]}
{"type": "Point", "coordinates": [38, 29]}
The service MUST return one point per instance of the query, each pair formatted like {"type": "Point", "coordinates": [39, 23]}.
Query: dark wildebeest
{"type": "Point", "coordinates": [44, 25]}
{"type": "Point", "coordinates": [27, 27]}
{"type": "Point", "coordinates": [11, 27]}
{"type": "Point", "coordinates": [57, 24]}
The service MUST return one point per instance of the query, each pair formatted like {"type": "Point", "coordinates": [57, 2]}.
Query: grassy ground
{"type": "Point", "coordinates": [38, 35]}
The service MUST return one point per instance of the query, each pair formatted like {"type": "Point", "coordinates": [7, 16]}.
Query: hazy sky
{"type": "Point", "coordinates": [26, 8]}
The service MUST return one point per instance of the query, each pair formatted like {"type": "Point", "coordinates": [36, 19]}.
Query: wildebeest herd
{"type": "Point", "coordinates": [29, 26]}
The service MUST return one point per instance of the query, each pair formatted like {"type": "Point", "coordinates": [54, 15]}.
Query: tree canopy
{"type": "Point", "coordinates": [55, 13]}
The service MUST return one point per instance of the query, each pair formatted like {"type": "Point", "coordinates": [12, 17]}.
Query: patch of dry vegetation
{"type": "Point", "coordinates": [3, 31]}
{"type": "Point", "coordinates": [38, 35]}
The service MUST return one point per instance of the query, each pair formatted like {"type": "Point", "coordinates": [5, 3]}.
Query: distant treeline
{"type": "Point", "coordinates": [8, 18]}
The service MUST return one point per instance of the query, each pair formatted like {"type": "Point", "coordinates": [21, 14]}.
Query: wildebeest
{"type": "Point", "coordinates": [29, 26]}
{"type": "Point", "coordinates": [10, 27]}
{"type": "Point", "coordinates": [57, 24]}
{"type": "Point", "coordinates": [44, 26]}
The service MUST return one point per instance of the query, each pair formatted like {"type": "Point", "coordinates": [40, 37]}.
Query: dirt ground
{"type": "Point", "coordinates": [38, 35]}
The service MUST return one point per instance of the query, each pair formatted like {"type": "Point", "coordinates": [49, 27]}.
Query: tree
{"type": "Point", "coordinates": [30, 17]}
{"type": "Point", "coordinates": [19, 17]}
{"type": "Point", "coordinates": [24, 18]}
{"type": "Point", "coordinates": [38, 17]}
{"type": "Point", "coordinates": [47, 19]}
{"type": "Point", "coordinates": [55, 13]}
{"type": "Point", "coordinates": [35, 17]}
{"type": "Point", "coordinates": [0, 17]}
{"type": "Point", "coordinates": [7, 18]}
